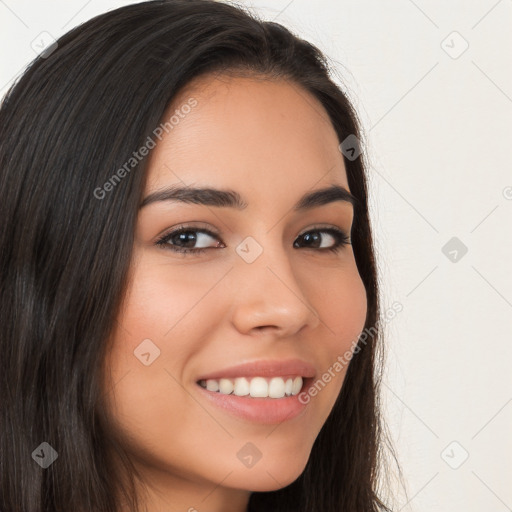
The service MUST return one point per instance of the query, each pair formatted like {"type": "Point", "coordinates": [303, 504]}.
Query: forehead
{"type": "Point", "coordinates": [253, 134]}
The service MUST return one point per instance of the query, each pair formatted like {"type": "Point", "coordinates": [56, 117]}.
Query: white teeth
{"type": "Point", "coordinates": [288, 387]}
{"type": "Point", "coordinates": [212, 385]}
{"type": "Point", "coordinates": [276, 388]}
{"type": "Point", "coordinates": [226, 386]}
{"type": "Point", "coordinates": [297, 384]}
{"type": "Point", "coordinates": [257, 387]}
{"type": "Point", "coordinates": [241, 386]}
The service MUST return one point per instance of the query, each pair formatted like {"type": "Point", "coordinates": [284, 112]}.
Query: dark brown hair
{"type": "Point", "coordinates": [66, 126]}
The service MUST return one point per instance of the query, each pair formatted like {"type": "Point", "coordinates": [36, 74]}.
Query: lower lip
{"type": "Point", "coordinates": [267, 411]}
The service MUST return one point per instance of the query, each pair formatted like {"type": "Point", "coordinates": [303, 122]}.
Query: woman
{"type": "Point", "coordinates": [187, 269]}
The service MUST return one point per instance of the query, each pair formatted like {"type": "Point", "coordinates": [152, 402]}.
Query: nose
{"type": "Point", "coordinates": [268, 297]}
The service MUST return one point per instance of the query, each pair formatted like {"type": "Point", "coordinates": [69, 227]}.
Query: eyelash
{"type": "Point", "coordinates": [340, 237]}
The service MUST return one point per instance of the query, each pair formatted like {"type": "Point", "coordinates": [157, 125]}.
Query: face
{"type": "Point", "coordinates": [267, 299]}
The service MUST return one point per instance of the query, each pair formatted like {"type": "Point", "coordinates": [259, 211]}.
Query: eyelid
{"type": "Point", "coordinates": [324, 226]}
{"type": "Point", "coordinates": [200, 226]}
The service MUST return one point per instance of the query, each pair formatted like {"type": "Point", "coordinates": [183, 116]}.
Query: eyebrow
{"type": "Point", "coordinates": [225, 198]}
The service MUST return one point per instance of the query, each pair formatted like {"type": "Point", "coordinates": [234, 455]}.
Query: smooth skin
{"type": "Point", "coordinates": [271, 141]}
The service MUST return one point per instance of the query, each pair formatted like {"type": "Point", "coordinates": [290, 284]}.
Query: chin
{"type": "Point", "coordinates": [270, 476]}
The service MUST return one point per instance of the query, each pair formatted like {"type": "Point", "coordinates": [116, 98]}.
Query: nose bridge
{"type": "Point", "coordinates": [267, 291]}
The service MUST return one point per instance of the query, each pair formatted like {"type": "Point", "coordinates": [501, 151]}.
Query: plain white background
{"type": "Point", "coordinates": [432, 83]}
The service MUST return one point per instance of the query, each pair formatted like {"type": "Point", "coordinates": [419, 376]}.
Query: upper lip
{"type": "Point", "coordinates": [264, 368]}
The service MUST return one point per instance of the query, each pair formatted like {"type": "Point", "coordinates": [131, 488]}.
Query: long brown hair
{"type": "Point", "coordinates": [66, 126]}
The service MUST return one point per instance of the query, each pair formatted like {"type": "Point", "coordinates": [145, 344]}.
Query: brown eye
{"type": "Point", "coordinates": [314, 240]}
{"type": "Point", "coordinates": [184, 239]}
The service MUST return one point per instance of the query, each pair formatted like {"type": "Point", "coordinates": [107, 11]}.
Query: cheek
{"type": "Point", "coordinates": [161, 298]}
{"type": "Point", "coordinates": [174, 307]}
{"type": "Point", "coordinates": [163, 312]}
{"type": "Point", "coordinates": [342, 306]}
{"type": "Point", "coordinates": [165, 322]}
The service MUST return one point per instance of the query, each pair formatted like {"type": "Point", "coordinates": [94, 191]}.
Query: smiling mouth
{"type": "Point", "coordinates": [256, 387]}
